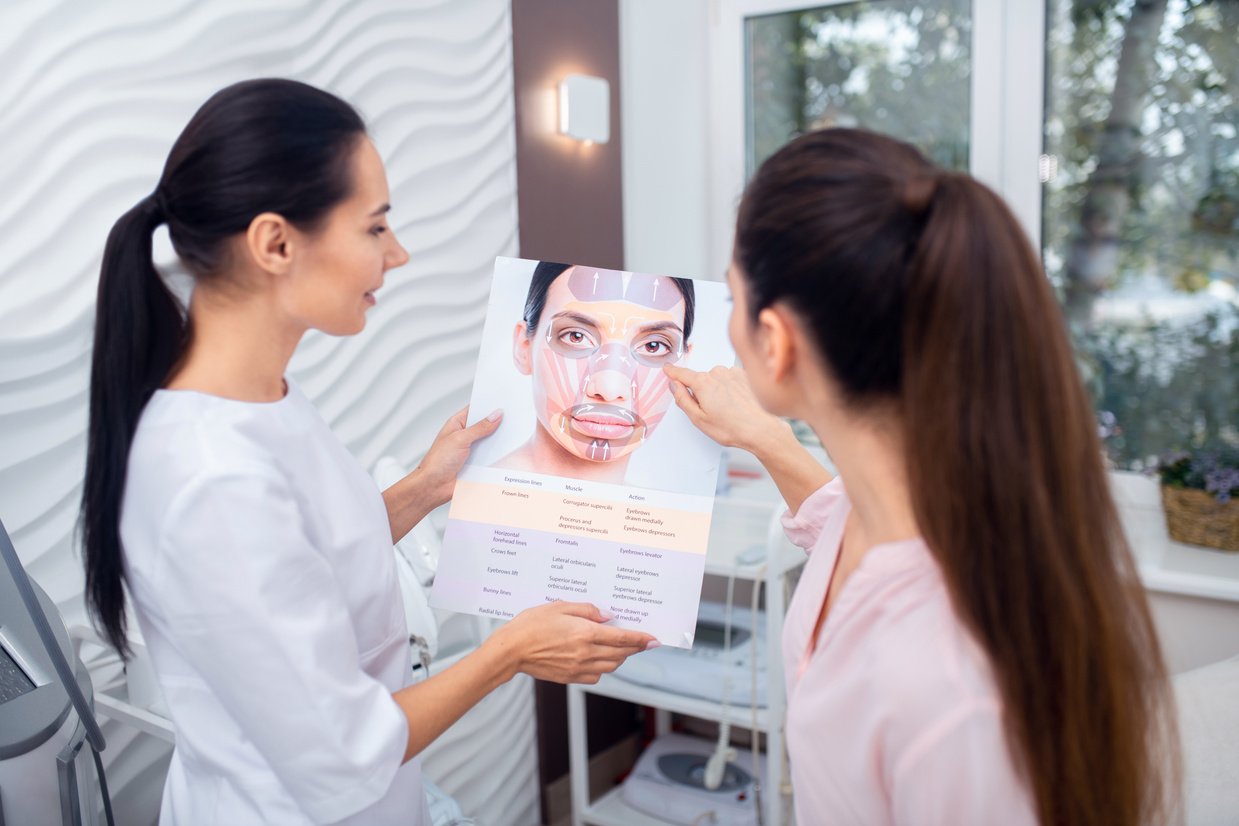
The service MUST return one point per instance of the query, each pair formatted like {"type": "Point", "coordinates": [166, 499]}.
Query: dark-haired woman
{"type": "Point", "coordinates": [969, 642]}
{"type": "Point", "coordinates": [256, 550]}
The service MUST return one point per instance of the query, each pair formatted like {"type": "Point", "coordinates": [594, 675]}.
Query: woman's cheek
{"type": "Point", "coordinates": [559, 380]}
{"type": "Point", "coordinates": [654, 395]}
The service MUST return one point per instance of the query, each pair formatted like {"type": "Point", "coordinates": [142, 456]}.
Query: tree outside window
{"type": "Point", "coordinates": [1141, 224]}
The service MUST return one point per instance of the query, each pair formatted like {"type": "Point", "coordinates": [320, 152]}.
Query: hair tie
{"type": "Point", "coordinates": [156, 207]}
{"type": "Point", "coordinates": [918, 193]}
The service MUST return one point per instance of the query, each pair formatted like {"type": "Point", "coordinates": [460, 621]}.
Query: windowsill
{"type": "Point", "coordinates": [1167, 566]}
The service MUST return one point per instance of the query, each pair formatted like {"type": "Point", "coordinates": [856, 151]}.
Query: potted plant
{"type": "Point", "coordinates": [1200, 494]}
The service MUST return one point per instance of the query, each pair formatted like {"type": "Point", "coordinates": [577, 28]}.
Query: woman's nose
{"type": "Point", "coordinates": [609, 386]}
{"type": "Point", "coordinates": [398, 256]}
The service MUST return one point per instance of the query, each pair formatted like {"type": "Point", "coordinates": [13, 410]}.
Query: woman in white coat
{"type": "Point", "coordinates": [256, 550]}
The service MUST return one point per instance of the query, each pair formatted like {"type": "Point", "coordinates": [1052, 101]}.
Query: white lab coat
{"type": "Point", "coordinates": [261, 572]}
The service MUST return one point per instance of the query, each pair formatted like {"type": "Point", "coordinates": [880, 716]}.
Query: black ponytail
{"type": "Point", "coordinates": [258, 146]}
{"type": "Point", "coordinates": [139, 332]}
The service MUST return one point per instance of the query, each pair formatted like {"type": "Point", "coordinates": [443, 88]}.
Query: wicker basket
{"type": "Point", "coordinates": [1197, 518]}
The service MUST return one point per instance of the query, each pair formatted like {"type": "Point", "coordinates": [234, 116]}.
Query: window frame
{"type": "Point", "coordinates": [1004, 150]}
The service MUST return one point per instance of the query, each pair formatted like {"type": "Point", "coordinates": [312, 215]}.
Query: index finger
{"type": "Point", "coordinates": [586, 610]}
{"type": "Point", "coordinates": [684, 375]}
{"type": "Point", "coordinates": [684, 399]}
{"type": "Point", "coordinates": [622, 637]}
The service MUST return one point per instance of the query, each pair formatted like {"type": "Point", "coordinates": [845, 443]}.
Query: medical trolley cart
{"type": "Point", "coordinates": [746, 542]}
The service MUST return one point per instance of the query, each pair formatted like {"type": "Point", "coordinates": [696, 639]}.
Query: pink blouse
{"type": "Point", "coordinates": [894, 717]}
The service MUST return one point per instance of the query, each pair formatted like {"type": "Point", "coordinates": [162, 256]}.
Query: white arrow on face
{"type": "Point", "coordinates": [595, 284]}
{"type": "Point", "coordinates": [654, 296]}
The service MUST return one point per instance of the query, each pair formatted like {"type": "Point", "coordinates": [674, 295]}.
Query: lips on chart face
{"type": "Point", "coordinates": [604, 335]}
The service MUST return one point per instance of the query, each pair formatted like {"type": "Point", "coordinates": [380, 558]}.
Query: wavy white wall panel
{"type": "Point", "coordinates": [488, 760]}
{"type": "Point", "coordinates": [92, 94]}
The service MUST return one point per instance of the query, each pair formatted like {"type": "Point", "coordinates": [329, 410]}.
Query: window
{"type": "Point", "coordinates": [893, 66]}
{"type": "Point", "coordinates": [1141, 214]}
{"type": "Point", "coordinates": [1138, 217]}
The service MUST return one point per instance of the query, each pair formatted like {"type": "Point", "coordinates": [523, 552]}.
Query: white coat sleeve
{"type": "Point", "coordinates": [256, 609]}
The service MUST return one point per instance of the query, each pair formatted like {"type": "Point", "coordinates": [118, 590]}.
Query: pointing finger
{"type": "Point", "coordinates": [683, 375]}
{"type": "Point", "coordinates": [583, 609]}
{"type": "Point", "coordinates": [623, 638]}
{"type": "Point", "coordinates": [686, 400]}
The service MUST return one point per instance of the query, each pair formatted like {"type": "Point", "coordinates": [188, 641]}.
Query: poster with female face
{"type": "Point", "coordinates": [595, 488]}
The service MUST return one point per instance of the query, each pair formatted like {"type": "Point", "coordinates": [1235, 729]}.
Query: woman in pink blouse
{"type": "Point", "coordinates": [969, 643]}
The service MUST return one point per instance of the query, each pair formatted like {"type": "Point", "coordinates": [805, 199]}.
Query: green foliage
{"type": "Point", "coordinates": [1185, 190]}
{"type": "Point", "coordinates": [1172, 383]}
{"type": "Point", "coordinates": [1163, 386]}
{"type": "Point", "coordinates": [892, 66]}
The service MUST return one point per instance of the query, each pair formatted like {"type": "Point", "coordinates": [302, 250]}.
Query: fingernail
{"type": "Point", "coordinates": [652, 644]}
{"type": "Point", "coordinates": [605, 616]}
{"type": "Point", "coordinates": [496, 416]}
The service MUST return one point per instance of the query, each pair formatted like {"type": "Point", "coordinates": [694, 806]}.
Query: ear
{"type": "Point", "coordinates": [522, 349]}
{"type": "Point", "coordinates": [269, 242]}
{"type": "Point", "coordinates": [776, 342]}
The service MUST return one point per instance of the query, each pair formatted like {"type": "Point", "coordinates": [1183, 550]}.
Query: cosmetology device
{"type": "Point", "coordinates": [706, 668]}
{"type": "Point", "coordinates": [45, 712]}
{"type": "Point", "coordinates": [668, 782]}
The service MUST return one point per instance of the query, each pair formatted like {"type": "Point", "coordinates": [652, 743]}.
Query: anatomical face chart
{"type": "Point", "coordinates": [596, 487]}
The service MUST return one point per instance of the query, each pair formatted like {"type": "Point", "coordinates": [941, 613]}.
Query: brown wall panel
{"type": "Point", "coordinates": [569, 194]}
{"type": "Point", "coordinates": [570, 202]}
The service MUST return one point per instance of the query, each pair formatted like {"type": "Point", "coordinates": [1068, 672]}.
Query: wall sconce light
{"type": "Point", "coordinates": [585, 108]}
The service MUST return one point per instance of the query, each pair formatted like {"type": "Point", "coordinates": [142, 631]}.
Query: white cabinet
{"type": "Point", "coordinates": [746, 541]}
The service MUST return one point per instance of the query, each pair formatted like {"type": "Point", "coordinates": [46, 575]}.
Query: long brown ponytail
{"type": "Point", "coordinates": [920, 287]}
